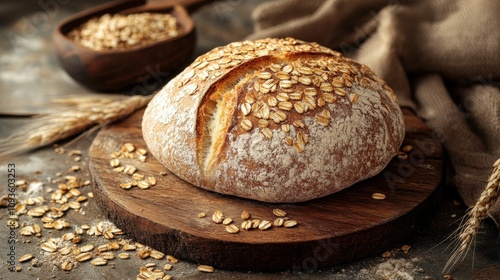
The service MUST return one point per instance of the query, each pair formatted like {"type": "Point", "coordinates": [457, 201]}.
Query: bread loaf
{"type": "Point", "coordinates": [275, 120]}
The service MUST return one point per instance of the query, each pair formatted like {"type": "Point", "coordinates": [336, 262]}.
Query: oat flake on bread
{"type": "Point", "coordinates": [275, 120]}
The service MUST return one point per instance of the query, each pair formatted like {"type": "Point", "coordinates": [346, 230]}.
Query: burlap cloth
{"type": "Point", "coordinates": [442, 58]}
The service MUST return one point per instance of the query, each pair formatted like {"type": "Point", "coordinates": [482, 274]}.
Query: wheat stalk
{"type": "Point", "coordinates": [82, 114]}
{"type": "Point", "coordinates": [475, 216]}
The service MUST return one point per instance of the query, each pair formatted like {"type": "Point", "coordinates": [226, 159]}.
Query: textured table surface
{"type": "Point", "coordinates": [30, 77]}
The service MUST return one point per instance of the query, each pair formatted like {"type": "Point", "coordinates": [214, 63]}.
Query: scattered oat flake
{"type": "Point", "coordinates": [232, 228]}
{"type": "Point", "coordinates": [387, 254]}
{"type": "Point", "coordinates": [129, 169]}
{"type": "Point", "coordinates": [108, 234]}
{"type": "Point", "coordinates": [217, 217]}
{"type": "Point", "coordinates": [107, 255]}
{"type": "Point", "coordinates": [246, 224]}
{"type": "Point", "coordinates": [143, 184]}
{"type": "Point", "coordinates": [155, 254]}
{"type": "Point", "coordinates": [279, 222]}
{"type": "Point", "coordinates": [87, 248]}
{"type": "Point", "coordinates": [227, 221]}
{"type": "Point", "coordinates": [402, 155]}
{"type": "Point", "coordinates": [114, 245]}
{"type": "Point", "coordinates": [114, 162]}
{"type": "Point", "coordinates": [75, 153]}
{"type": "Point", "coordinates": [128, 147]}
{"type": "Point", "coordinates": [264, 225]}
{"type": "Point", "coordinates": [245, 215]}
{"type": "Point", "coordinates": [172, 259]}
{"type": "Point", "coordinates": [142, 151]}
{"type": "Point", "coordinates": [151, 181]}
{"type": "Point", "coordinates": [25, 258]}
{"type": "Point", "coordinates": [202, 215]}
{"type": "Point", "coordinates": [407, 148]}
{"type": "Point", "coordinates": [129, 247]}
{"type": "Point", "coordinates": [290, 223]}
{"type": "Point", "coordinates": [143, 253]}
{"type": "Point", "coordinates": [124, 256]}
{"type": "Point", "coordinates": [405, 248]}
{"type": "Point", "coordinates": [48, 246]}
{"type": "Point", "coordinates": [85, 227]}
{"type": "Point", "coordinates": [66, 265]}
{"type": "Point", "coordinates": [83, 257]}
{"type": "Point", "coordinates": [255, 223]}
{"type": "Point", "coordinates": [378, 196]}
{"type": "Point", "coordinates": [206, 268]}
{"type": "Point", "coordinates": [64, 251]}
{"type": "Point", "coordinates": [99, 261]}
{"type": "Point", "coordinates": [279, 212]}
{"type": "Point", "coordinates": [126, 185]}
{"type": "Point", "coordinates": [137, 176]}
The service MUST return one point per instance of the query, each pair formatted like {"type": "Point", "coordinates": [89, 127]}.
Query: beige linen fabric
{"type": "Point", "coordinates": [442, 58]}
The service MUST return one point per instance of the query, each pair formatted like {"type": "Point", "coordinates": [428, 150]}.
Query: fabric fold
{"type": "Point", "coordinates": [440, 57]}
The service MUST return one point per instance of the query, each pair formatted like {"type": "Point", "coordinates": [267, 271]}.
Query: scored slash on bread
{"type": "Point", "coordinates": [276, 120]}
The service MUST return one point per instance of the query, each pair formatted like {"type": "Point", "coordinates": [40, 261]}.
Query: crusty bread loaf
{"type": "Point", "coordinates": [276, 120]}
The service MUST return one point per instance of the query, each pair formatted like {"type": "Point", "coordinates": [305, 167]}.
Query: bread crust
{"type": "Point", "coordinates": [275, 120]}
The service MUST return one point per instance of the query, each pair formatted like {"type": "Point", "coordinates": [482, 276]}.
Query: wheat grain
{"type": "Point", "coordinates": [475, 216]}
{"type": "Point", "coordinates": [83, 114]}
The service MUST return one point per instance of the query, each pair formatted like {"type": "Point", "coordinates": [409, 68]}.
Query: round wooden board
{"type": "Point", "coordinates": [337, 228]}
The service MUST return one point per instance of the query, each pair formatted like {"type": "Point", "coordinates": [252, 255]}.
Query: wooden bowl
{"type": "Point", "coordinates": [116, 70]}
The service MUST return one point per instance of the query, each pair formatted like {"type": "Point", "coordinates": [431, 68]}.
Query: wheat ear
{"type": "Point", "coordinates": [82, 114]}
{"type": "Point", "coordinates": [475, 216]}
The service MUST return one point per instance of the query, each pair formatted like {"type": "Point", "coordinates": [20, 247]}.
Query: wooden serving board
{"type": "Point", "coordinates": [337, 228]}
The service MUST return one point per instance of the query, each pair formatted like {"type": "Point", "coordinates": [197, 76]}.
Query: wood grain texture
{"type": "Point", "coordinates": [337, 228]}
